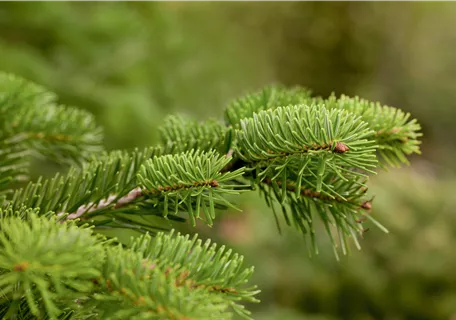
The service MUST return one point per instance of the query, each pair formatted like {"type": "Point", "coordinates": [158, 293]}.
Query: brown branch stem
{"type": "Point", "coordinates": [90, 207]}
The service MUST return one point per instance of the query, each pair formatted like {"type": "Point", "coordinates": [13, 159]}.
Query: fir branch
{"type": "Point", "coordinates": [207, 267]}
{"type": "Point", "coordinates": [306, 141]}
{"type": "Point", "coordinates": [132, 287]}
{"type": "Point", "coordinates": [104, 183]}
{"type": "Point", "coordinates": [47, 262]}
{"type": "Point", "coordinates": [311, 156]}
{"type": "Point", "coordinates": [343, 216]}
{"type": "Point", "coordinates": [127, 188]}
{"type": "Point", "coordinates": [63, 268]}
{"type": "Point", "coordinates": [395, 133]}
{"type": "Point", "coordinates": [190, 181]}
{"type": "Point", "coordinates": [58, 132]}
{"type": "Point", "coordinates": [61, 133]}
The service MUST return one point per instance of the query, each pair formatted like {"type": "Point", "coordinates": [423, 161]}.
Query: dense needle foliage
{"type": "Point", "coordinates": [310, 156]}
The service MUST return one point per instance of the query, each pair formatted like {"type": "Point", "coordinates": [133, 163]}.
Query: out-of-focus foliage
{"type": "Point", "coordinates": [129, 63]}
{"type": "Point", "coordinates": [132, 63]}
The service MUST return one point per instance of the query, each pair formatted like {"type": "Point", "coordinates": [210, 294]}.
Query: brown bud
{"type": "Point", "coordinates": [341, 147]}
{"type": "Point", "coordinates": [366, 205]}
{"type": "Point", "coordinates": [21, 266]}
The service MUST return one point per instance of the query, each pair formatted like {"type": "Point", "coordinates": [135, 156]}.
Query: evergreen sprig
{"type": "Point", "coordinates": [133, 287]}
{"type": "Point", "coordinates": [306, 142]}
{"type": "Point", "coordinates": [395, 133]}
{"type": "Point", "coordinates": [310, 156]}
{"type": "Point", "coordinates": [46, 262]}
{"type": "Point", "coordinates": [217, 270]}
{"type": "Point", "coordinates": [104, 193]}
{"type": "Point", "coordinates": [71, 268]}
{"type": "Point", "coordinates": [190, 181]}
{"type": "Point", "coordinates": [82, 189]}
{"type": "Point", "coordinates": [124, 189]}
{"type": "Point", "coordinates": [342, 216]}
{"type": "Point", "coordinates": [58, 132]}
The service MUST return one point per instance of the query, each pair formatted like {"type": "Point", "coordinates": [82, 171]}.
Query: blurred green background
{"type": "Point", "coordinates": [132, 63]}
